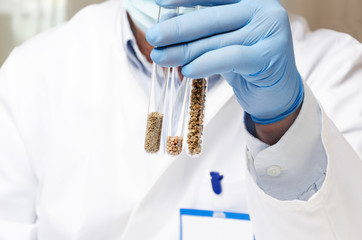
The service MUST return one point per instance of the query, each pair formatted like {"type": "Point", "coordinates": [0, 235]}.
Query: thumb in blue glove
{"type": "Point", "coordinates": [248, 42]}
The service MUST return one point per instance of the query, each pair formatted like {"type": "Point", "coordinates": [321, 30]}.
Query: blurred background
{"type": "Point", "coordinates": [22, 19]}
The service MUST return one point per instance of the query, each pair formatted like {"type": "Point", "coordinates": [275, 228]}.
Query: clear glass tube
{"type": "Point", "coordinates": [156, 106]}
{"type": "Point", "coordinates": [178, 103]}
{"type": "Point", "coordinates": [197, 89]}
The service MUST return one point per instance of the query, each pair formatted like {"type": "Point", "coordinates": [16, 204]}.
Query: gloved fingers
{"type": "Point", "coordinates": [239, 59]}
{"type": "Point", "coordinates": [190, 3]}
{"type": "Point", "coordinates": [200, 24]}
{"type": "Point", "coordinates": [181, 54]}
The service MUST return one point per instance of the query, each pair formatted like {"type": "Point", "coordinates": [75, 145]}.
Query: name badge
{"type": "Point", "coordinates": [213, 225]}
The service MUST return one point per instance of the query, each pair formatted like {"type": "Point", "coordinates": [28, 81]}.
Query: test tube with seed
{"type": "Point", "coordinates": [176, 113]}
{"type": "Point", "coordinates": [159, 85]}
{"type": "Point", "coordinates": [196, 116]}
{"type": "Point", "coordinates": [176, 110]}
{"type": "Point", "coordinates": [197, 101]}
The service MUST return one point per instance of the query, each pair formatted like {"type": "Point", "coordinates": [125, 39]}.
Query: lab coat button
{"type": "Point", "coordinates": [273, 171]}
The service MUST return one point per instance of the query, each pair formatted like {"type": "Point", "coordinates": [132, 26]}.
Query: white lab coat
{"type": "Point", "coordinates": [72, 124]}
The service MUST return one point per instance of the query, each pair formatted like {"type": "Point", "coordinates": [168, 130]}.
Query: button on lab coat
{"type": "Point", "coordinates": [72, 124]}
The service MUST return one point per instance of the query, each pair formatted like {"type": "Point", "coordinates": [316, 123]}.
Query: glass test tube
{"type": "Point", "coordinates": [178, 99]}
{"type": "Point", "coordinates": [177, 108]}
{"type": "Point", "coordinates": [159, 85]}
{"type": "Point", "coordinates": [196, 116]}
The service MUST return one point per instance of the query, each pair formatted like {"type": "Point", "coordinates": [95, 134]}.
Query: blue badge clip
{"type": "Point", "coordinates": [216, 182]}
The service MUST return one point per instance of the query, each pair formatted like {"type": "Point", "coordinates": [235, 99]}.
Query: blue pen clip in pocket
{"type": "Point", "coordinates": [216, 182]}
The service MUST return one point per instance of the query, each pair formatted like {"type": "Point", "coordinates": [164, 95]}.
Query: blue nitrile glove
{"type": "Point", "coordinates": [248, 42]}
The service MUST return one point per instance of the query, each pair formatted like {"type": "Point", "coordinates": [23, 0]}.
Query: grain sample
{"type": "Point", "coordinates": [153, 132]}
{"type": "Point", "coordinates": [196, 121]}
{"type": "Point", "coordinates": [174, 145]}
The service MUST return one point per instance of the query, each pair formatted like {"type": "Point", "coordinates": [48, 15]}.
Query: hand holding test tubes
{"type": "Point", "coordinates": [249, 42]}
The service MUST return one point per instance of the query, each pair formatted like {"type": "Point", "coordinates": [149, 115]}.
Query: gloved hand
{"type": "Point", "coordinates": [248, 42]}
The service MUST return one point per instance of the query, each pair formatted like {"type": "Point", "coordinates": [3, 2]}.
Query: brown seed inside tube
{"type": "Point", "coordinates": [153, 132]}
{"type": "Point", "coordinates": [174, 145]}
{"type": "Point", "coordinates": [197, 106]}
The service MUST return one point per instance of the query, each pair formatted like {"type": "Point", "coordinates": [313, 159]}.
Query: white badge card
{"type": "Point", "coordinates": [210, 225]}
